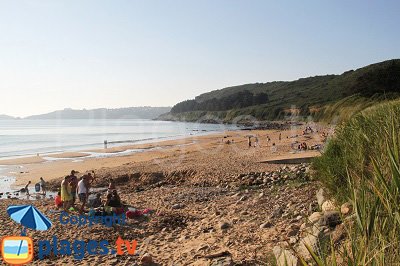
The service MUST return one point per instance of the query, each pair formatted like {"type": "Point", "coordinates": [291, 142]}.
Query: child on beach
{"type": "Point", "coordinates": [26, 188]}
{"type": "Point", "coordinates": [57, 200]}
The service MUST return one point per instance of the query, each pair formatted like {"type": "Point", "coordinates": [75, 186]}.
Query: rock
{"type": "Point", "coordinates": [312, 240]}
{"type": "Point", "coordinates": [183, 238]}
{"type": "Point", "coordinates": [224, 225]}
{"type": "Point", "coordinates": [320, 196]}
{"type": "Point", "coordinates": [292, 240]}
{"type": "Point", "coordinates": [177, 206]}
{"type": "Point", "coordinates": [202, 247]}
{"type": "Point", "coordinates": [339, 234]}
{"type": "Point", "coordinates": [292, 233]}
{"type": "Point", "coordinates": [222, 261]}
{"type": "Point", "coordinates": [146, 259]}
{"type": "Point", "coordinates": [346, 208]}
{"type": "Point", "coordinates": [284, 257]}
{"type": "Point", "coordinates": [331, 219]}
{"type": "Point", "coordinates": [313, 207]}
{"type": "Point", "coordinates": [266, 225]}
{"type": "Point", "coordinates": [315, 217]}
{"type": "Point", "coordinates": [243, 198]}
{"type": "Point", "coordinates": [328, 206]}
{"type": "Point", "coordinates": [277, 212]}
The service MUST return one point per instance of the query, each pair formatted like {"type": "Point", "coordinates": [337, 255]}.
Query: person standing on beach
{"type": "Point", "coordinates": [249, 142]}
{"type": "Point", "coordinates": [43, 185]}
{"type": "Point", "coordinates": [280, 136]}
{"type": "Point", "coordinates": [66, 195]}
{"type": "Point", "coordinates": [74, 183]}
{"type": "Point", "coordinates": [82, 191]}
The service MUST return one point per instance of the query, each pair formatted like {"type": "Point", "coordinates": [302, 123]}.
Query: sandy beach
{"type": "Point", "coordinates": [203, 191]}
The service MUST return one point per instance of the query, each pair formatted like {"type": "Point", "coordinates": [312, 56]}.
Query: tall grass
{"type": "Point", "coordinates": [362, 165]}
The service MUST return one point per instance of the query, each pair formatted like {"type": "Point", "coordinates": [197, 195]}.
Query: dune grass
{"type": "Point", "coordinates": [362, 165]}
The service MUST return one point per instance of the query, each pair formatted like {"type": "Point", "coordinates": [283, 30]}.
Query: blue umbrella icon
{"type": "Point", "coordinates": [28, 216]}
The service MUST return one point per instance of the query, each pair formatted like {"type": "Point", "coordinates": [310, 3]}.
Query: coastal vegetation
{"type": "Point", "coordinates": [325, 98]}
{"type": "Point", "coordinates": [361, 165]}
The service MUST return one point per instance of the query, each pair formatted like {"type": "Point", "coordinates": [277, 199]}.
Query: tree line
{"type": "Point", "coordinates": [234, 101]}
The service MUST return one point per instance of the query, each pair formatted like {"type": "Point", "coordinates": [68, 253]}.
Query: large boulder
{"type": "Point", "coordinates": [313, 240]}
{"type": "Point", "coordinates": [315, 217]}
{"type": "Point", "coordinates": [328, 206]}
{"type": "Point", "coordinates": [331, 219]}
{"type": "Point", "coordinates": [284, 257]}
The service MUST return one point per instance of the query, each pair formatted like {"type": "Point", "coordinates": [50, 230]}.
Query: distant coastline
{"type": "Point", "coordinates": [141, 112]}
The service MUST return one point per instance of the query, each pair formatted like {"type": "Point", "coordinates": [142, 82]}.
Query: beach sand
{"type": "Point", "coordinates": [203, 192]}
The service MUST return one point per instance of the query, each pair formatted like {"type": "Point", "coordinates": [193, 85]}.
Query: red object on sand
{"type": "Point", "coordinates": [133, 214]}
{"type": "Point", "coordinates": [58, 201]}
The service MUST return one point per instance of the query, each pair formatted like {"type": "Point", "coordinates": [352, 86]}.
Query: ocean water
{"type": "Point", "coordinates": [29, 137]}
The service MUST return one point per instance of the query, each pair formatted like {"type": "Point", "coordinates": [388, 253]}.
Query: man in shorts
{"type": "Point", "coordinates": [83, 192]}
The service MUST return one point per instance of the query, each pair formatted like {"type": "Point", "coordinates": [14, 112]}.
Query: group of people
{"type": "Point", "coordinates": [302, 146]}
{"type": "Point", "coordinates": [256, 143]}
{"type": "Point", "coordinates": [41, 185]}
{"type": "Point", "coordinates": [73, 188]}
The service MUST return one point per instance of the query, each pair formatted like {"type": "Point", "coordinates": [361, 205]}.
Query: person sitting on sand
{"type": "Point", "coordinates": [114, 200]}
{"type": "Point", "coordinates": [57, 200]}
{"type": "Point", "coordinates": [82, 191]}
{"type": "Point", "coordinates": [43, 185]}
{"type": "Point", "coordinates": [66, 194]}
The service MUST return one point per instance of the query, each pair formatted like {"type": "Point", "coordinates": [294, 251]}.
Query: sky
{"type": "Point", "coordinates": [57, 54]}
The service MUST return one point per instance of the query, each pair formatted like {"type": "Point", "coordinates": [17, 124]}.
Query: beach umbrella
{"type": "Point", "coordinates": [28, 216]}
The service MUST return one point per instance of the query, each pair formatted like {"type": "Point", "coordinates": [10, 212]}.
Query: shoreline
{"type": "Point", "coordinates": [25, 168]}
{"type": "Point", "coordinates": [60, 164]}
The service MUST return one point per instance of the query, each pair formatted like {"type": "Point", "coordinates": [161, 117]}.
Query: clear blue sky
{"type": "Point", "coordinates": [92, 53]}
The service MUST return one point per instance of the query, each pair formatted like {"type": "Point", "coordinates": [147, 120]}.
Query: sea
{"type": "Point", "coordinates": [31, 137]}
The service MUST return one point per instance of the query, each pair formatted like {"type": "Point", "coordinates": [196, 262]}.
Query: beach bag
{"type": "Point", "coordinates": [37, 187]}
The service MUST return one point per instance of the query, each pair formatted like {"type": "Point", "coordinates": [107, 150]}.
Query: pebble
{"type": "Point", "coordinates": [266, 225]}
{"type": "Point", "coordinates": [146, 259]}
{"type": "Point", "coordinates": [224, 225]}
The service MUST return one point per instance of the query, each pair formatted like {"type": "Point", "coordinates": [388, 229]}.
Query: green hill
{"type": "Point", "coordinates": [323, 97]}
